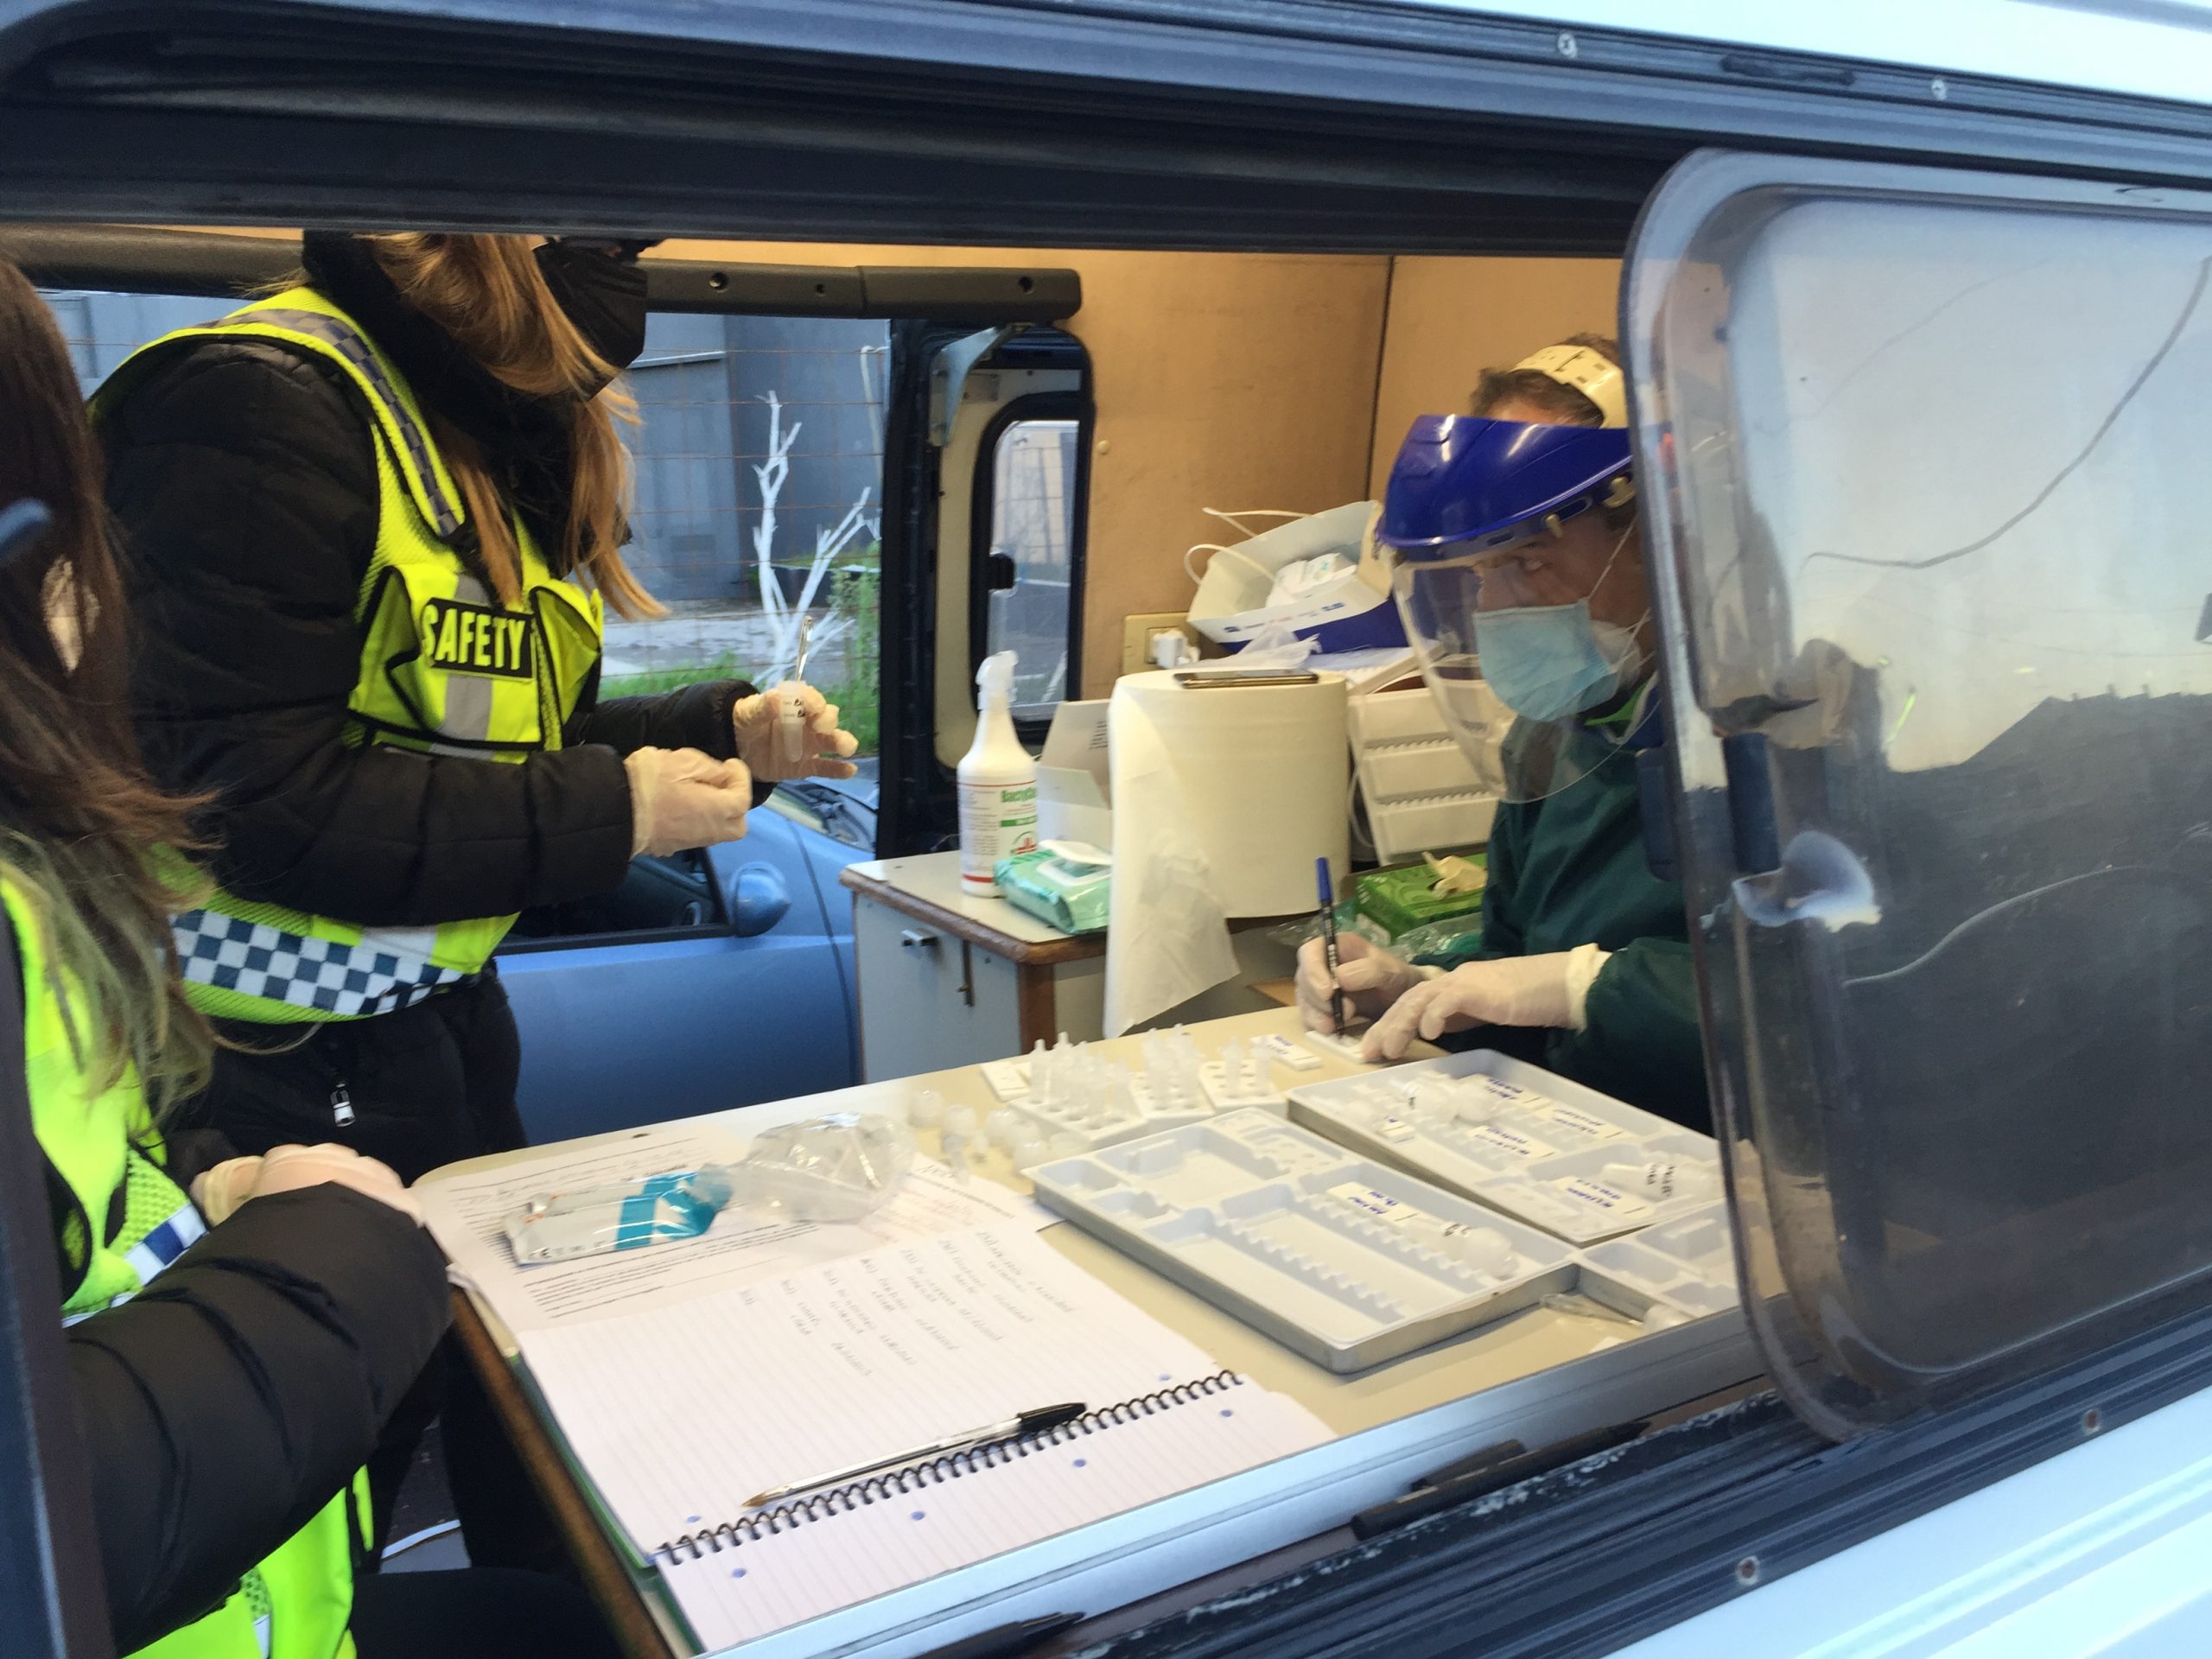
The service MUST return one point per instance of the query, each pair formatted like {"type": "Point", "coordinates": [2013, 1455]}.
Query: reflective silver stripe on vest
{"type": "Point", "coordinates": [468, 697]}
{"type": "Point", "coordinates": [349, 344]}
{"type": "Point", "coordinates": [378, 976]}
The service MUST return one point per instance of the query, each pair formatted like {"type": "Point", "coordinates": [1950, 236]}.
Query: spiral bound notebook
{"type": "Point", "coordinates": [677, 1414]}
{"type": "Point", "coordinates": [779, 1567]}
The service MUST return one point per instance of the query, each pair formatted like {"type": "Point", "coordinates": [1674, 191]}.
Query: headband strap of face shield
{"type": "Point", "coordinates": [1591, 373]}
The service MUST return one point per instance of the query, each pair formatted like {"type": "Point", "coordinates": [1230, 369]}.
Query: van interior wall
{"type": "Point", "coordinates": [1221, 380]}
{"type": "Point", "coordinates": [1450, 318]}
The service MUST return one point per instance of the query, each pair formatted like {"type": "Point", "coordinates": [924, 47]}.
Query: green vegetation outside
{"type": "Point", "coordinates": [857, 695]}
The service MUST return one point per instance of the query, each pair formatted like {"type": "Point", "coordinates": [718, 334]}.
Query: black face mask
{"type": "Point", "coordinates": [605, 298]}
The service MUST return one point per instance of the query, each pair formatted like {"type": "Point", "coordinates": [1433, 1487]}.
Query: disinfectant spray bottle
{"type": "Point", "coordinates": [998, 784]}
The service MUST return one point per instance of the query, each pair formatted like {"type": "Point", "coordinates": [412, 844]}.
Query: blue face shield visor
{"type": "Point", "coordinates": [1477, 517]}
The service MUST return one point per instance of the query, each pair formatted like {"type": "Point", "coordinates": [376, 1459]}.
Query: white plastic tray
{"type": "Point", "coordinates": [1687, 1263]}
{"type": "Point", "coordinates": [1010, 1081]}
{"type": "Point", "coordinates": [1335, 1257]}
{"type": "Point", "coordinates": [1545, 1166]}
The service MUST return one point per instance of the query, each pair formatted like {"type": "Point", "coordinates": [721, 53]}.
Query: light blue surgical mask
{"type": "Point", "coordinates": [1553, 661]}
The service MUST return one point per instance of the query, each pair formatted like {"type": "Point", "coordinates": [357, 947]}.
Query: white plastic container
{"type": "Point", "coordinates": [1565, 1159]}
{"type": "Point", "coordinates": [998, 784]}
{"type": "Point", "coordinates": [1688, 1264]}
{"type": "Point", "coordinates": [1342, 1259]}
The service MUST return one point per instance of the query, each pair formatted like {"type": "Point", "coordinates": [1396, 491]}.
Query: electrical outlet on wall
{"type": "Point", "coordinates": [1139, 630]}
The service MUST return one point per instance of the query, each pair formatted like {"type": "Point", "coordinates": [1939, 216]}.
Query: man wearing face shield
{"type": "Point", "coordinates": [1518, 566]}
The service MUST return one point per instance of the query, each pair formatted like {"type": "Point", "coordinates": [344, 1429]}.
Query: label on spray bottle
{"type": "Point", "coordinates": [996, 821]}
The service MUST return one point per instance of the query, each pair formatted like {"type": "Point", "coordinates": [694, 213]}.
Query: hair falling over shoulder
{"type": "Point", "coordinates": [486, 292]}
{"type": "Point", "coordinates": [87, 835]}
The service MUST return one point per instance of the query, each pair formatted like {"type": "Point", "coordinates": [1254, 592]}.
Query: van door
{"type": "Point", "coordinates": [991, 433]}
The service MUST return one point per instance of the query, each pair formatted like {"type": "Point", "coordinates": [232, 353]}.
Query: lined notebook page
{"type": "Point", "coordinates": [757, 1584]}
{"type": "Point", "coordinates": [679, 1415]}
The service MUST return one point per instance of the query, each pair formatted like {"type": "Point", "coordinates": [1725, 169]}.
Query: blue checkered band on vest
{"type": "Point", "coordinates": [155, 1251]}
{"type": "Point", "coordinates": [350, 344]}
{"type": "Point", "coordinates": [346, 979]}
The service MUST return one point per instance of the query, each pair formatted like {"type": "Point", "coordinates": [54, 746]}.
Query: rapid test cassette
{"type": "Point", "coordinates": [1521, 1139]}
{"type": "Point", "coordinates": [1336, 1256]}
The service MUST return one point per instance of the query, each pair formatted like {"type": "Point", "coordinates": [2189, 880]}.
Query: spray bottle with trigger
{"type": "Point", "coordinates": [998, 784]}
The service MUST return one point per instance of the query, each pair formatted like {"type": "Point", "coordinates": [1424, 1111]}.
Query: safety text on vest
{"type": "Point", "coordinates": [466, 638]}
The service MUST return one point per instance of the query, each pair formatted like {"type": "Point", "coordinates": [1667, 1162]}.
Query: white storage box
{"type": "Point", "coordinates": [1421, 793]}
{"type": "Point", "coordinates": [1352, 611]}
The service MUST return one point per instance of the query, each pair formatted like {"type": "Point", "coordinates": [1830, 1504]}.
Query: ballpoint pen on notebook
{"type": "Point", "coordinates": [1029, 1423]}
{"type": "Point", "coordinates": [1329, 940]}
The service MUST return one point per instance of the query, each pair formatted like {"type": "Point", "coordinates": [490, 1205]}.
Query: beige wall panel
{"type": "Point", "coordinates": [1223, 380]}
{"type": "Point", "coordinates": [1451, 317]}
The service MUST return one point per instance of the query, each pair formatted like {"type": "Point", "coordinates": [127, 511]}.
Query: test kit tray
{"type": "Point", "coordinates": [1688, 1264]}
{"type": "Point", "coordinates": [1336, 1256]}
{"type": "Point", "coordinates": [1521, 1139]}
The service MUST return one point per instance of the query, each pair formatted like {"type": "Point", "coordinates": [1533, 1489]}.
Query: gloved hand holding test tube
{"type": "Point", "coordinates": [788, 705]}
{"type": "Point", "coordinates": [791, 730]}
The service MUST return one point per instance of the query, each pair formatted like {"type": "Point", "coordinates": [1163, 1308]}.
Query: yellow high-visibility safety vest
{"type": "Point", "coordinates": [296, 1603]}
{"type": "Point", "coordinates": [445, 669]}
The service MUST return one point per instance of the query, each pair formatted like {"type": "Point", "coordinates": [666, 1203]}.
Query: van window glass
{"type": "Point", "coordinates": [1932, 548]}
{"type": "Point", "coordinates": [1031, 549]}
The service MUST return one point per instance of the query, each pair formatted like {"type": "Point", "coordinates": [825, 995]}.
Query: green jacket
{"type": "Point", "coordinates": [1570, 870]}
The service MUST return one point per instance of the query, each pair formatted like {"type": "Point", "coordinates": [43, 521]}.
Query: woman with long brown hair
{"type": "Point", "coordinates": [371, 524]}
{"type": "Point", "coordinates": [294, 1296]}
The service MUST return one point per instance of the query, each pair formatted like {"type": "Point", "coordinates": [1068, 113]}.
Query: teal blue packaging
{"type": "Point", "coordinates": [1064, 884]}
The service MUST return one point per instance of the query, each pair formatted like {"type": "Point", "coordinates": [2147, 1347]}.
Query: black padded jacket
{"type": "Point", "coordinates": [243, 482]}
{"type": "Point", "coordinates": [237, 1394]}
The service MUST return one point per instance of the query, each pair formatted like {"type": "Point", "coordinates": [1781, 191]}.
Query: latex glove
{"type": "Point", "coordinates": [759, 721]}
{"type": "Point", "coordinates": [1545, 990]}
{"type": "Point", "coordinates": [221, 1190]}
{"type": "Point", "coordinates": [681, 798]}
{"type": "Point", "coordinates": [290, 1169]}
{"type": "Point", "coordinates": [1371, 978]}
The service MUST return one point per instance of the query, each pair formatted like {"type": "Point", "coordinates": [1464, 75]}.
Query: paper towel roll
{"type": "Point", "coordinates": [1266, 780]}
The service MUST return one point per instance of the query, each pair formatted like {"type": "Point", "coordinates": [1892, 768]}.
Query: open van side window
{"type": "Point", "coordinates": [987, 475]}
